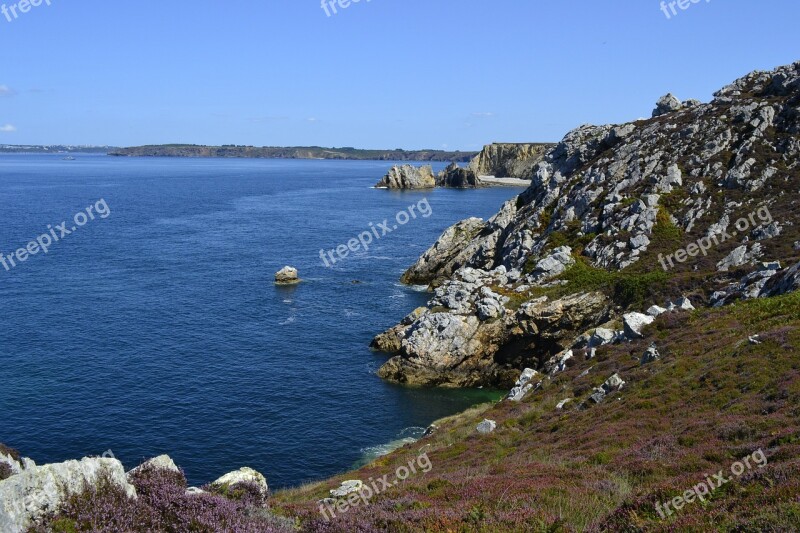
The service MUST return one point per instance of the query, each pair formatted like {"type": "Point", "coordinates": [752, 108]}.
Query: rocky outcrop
{"type": "Point", "coordinates": [621, 198]}
{"type": "Point", "coordinates": [408, 177]}
{"type": "Point", "coordinates": [287, 276]}
{"type": "Point", "coordinates": [29, 496]}
{"type": "Point", "coordinates": [243, 475]}
{"type": "Point", "coordinates": [449, 253]}
{"type": "Point", "coordinates": [455, 177]}
{"type": "Point", "coordinates": [506, 160]}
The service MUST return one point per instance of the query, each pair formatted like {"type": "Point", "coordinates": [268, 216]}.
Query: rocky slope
{"type": "Point", "coordinates": [505, 160]}
{"type": "Point", "coordinates": [701, 200]}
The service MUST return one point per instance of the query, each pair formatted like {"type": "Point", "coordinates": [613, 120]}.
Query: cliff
{"type": "Point", "coordinates": [408, 177]}
{"type": "Point", "coordinates": [505, 160]}
{"type": "Point", "coordinates": [299, 152]}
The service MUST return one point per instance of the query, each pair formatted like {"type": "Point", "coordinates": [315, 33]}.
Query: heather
{"type": "Point", "coordinates": [713, 398]}
{"type": "Point", "coordinates": [163, 505]}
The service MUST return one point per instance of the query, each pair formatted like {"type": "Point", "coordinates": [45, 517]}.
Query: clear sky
{"type": "Point", "coordinates": [452, 74]}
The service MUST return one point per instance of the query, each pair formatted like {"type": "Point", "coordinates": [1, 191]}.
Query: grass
{"type": "Point", "coordinates": [712, 399]}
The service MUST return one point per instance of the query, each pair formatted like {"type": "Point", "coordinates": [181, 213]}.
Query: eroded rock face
{"type": "Point", "coordinates": [26, 498]}
{"type": "Point", "coordinates": [408, 177]}
{"type": "Point", "coordinates": [508, 160]}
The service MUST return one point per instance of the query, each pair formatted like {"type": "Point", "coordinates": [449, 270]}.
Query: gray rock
{"type": "Point", "coordinates": [408, 177]}
{"type": "Point", "coordinates": [656, 311]}
{"type": "Point", "coordinates": [195, 491]}
{"type": "Point", "coordinates": [667, 104]}
{"type": "Point", "coordinates": [456, 177]}
{"type": "Point", "coordinates": [740, 256]}
{"type": "Point", "coordinates": [651, 355]}
{"type": "Point", "coordinates": [486, 427]}
{"type": "Point", "coordinates": [552, 265]}
{"type": "Point", "coordinates": [634, 323]}
{"type": "Point", "coordinates": [783, 282]}
{"type": "Point", "coordinates": [601, 337]}
{"type": "Point", "coordinates": [522, 386]}
{"type": "Point", "coordinates": [347, 488]}
{"type": "Point", "coordinates": [446, 255]}
{"type": "Point", "coordinates": [28, 497]}
{"type": "Point", "coordinates": [287, 276]}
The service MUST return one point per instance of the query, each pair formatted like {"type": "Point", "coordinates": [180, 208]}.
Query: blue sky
{"type": "Point", "coordinates": [450, 74]}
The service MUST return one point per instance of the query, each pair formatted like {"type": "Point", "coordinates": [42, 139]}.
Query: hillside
{"type": "Point", "coordinates": [299, 152]}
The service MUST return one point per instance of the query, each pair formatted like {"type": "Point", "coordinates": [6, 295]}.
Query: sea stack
{"type": "Point", "coordinates": [287, 276]}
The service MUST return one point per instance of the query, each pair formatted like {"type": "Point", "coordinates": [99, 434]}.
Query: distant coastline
{"type": "Point", "coordinates": [297, 152]}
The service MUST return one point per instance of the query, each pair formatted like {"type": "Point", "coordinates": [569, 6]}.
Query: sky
{"type": "Point", "coordinates": [414, 74]}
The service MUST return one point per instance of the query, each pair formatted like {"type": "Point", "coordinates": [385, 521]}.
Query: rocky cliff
{"type": "Point", "coordinates": [701, 200]}
{"type": "Point", "coordinates": [505, 160]}
{"type": "Point", "coordinates": [456, 177]}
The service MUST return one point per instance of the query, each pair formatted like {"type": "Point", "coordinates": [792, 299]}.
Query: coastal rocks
{"type": "Point", "coordinates": [559, 319]}
{"type": "Point", "coordinates": [346, 488]}
{"type": "Point", "coordinates": [508, 160]}
{"type": "Point", "coordinates": [243, 475]}
{"type": "Point", "coordinates": [287, 276]}
{"type": "Point", "coordinates": [408, 177]}
{"type": "Point", "coordinates": [456, 177]}
{"type": "Point", "coordinates": [634, 323]}
{"type": "Point", "coordinates": [667, 104]}
{"type": "Point", "coordinates": [26, 498]}
{"type": "Point", "coordinates": [486, 427]}
{"type": "Point", "coordinates": [389, 341]}
{"type": "Point", "coordinates": [522, 386]}
{"type": "Point", "coordinates": [553, 265]}
{"type": "Point", "coordinates": [11, 464]}
{"type": "Point", "coordinates": [446, 255]}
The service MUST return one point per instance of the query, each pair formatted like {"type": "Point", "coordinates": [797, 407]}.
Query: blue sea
{"type": "Point", "coordinates": [155, 326]}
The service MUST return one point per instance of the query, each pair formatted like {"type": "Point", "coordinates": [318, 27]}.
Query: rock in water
{"type": "Point", "coordinates": [287, 276]}
{"type": "Point", "coordinates": [457, 178]}
{"type": "Point", "coordinates": [408, 177]}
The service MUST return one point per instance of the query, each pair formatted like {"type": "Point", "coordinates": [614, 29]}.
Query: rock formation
{"type": "Point", "coordinates": [408, 177]}
{"type": "Point", "coordinates": [287, 276]}
{"type": "Point", "coordinates": [506, 160]}
{"type": "Point", "coordinates": [457, 178]}
{"type": "Point", "coordinates": [609, 206]}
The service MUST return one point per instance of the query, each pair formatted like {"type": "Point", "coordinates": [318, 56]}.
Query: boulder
{"type": "Point", "coordinates": [31, 495]}
{"type": "Point", "coordinates": [634, 323]}
{"type": "Point", "coordinates": [486, 427]}
{"type": "Point", "coordinates": [563, 403]}
{"type": "Point", "coordinates": [651, 355]}
{"type": "Point", "coordinates": [553, 265]}
{"type": "Point", "coordinates": [243, 475]}
{"type": "Point", "coordinates": [287, 276]}
{"type": "Point", "coordinates": [408, 177]}
{"type": "Point", "coordinates": [667, 104]}
{"type": "Point", "coordinates": [522, 386]}
{"type": "Point", "coordinates": [347, 488]}
{"type": "Point", "coordinates": [656, 311]}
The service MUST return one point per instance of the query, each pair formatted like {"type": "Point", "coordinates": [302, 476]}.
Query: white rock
{"type": "Point", "coordinates": [244, 475]}
{"type": "Point", "coordinates": [287, 275]}
{"type": "Point", "coordinates": [522, 386]}
{"type": "Point", "coordinates": [656, 311]}
{"type": "Point", "coordinates": [562, 403]}
{"type": "Point", "coordinates": [36, 492]}
{"type": "Point", "coordinates": [347, 487]}
{"type": "Point", "coordinates": [486, 427]}
{"type": "Point", "coordinates": [601, 337]}
{"type": "Point", "coordinates": [684, 304]}
{"type": "Point", "coordinates": [162, 462]}
{"type": "Point", "coordinates": [634, 323]}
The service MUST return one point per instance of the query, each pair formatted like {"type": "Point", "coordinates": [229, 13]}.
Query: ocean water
{"type": "Point", "coordinates": [155, 327]}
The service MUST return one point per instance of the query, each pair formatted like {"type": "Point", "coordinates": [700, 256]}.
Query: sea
{"type": "Point", "coordinates": [140, 315]}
